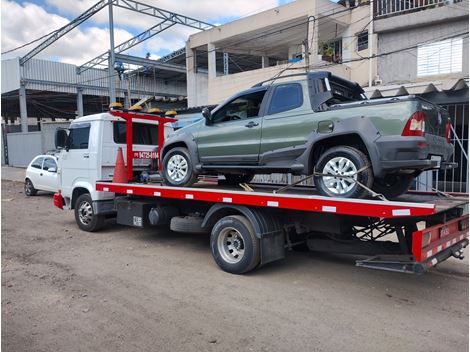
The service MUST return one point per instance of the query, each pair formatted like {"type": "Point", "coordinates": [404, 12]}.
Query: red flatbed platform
{"type": "Point", "coordinates": [296, 198]}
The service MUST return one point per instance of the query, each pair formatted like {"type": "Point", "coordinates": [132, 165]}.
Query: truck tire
{"type": "Point", "coordinates": [29, 189]}
{"type": "Point", "coordinates": [343, 160]}
{"type": "Point", "coordinates": [234, 245]}
{"type": "Point", "coordinates": [187, 224]}
{"type": "Point", "coordinates": [178, 168]}
{"type": "Point", "coordinates": [234, 179]}
{"type": "Point", "coordinates": [85, 216]}
{"type": "Point", "coordinates": [392, 186]}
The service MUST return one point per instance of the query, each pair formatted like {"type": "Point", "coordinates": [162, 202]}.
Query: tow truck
{"type": "Point", "coordinates": [257, 223]}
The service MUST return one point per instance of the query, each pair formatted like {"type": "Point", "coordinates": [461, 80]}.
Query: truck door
{"type": "Point", "coordinates": [235, 132]}
{"type": "Point", "coordinates": [75, 161]}
{"type": "Point", "coordinates": [288, 119]}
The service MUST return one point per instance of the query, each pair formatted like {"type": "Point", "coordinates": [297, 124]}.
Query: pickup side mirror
{"type": "Point", "coordinates": [60, 138]}
{"type": "Point", "coordinates": [207, 115]}
{"type": "Point", "coordinates": [52, 169]}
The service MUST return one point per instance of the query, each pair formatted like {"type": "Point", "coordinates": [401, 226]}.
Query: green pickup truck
{"type": "Point", "coordinates": [314, 123]}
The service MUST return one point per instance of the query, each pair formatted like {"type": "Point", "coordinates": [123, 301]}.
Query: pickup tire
{"type": "Point", "coordinates": [343, 161]}
{"type": "Point", "coordinates": [234, 244]}
{"type": "Point", "coordinates": [29, 189]}
{"type": "Point", "coordinates": [178, 168]}
{"type": "Point", "coordinates": [85, 216]}
{"type": "Point", "coordinates": [392, 186]}
{"type": "Point", "coordinates": [234, 179]}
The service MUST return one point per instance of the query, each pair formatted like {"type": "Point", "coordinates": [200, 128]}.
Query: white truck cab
{"type": "Point", "coordinates": [89, 151]}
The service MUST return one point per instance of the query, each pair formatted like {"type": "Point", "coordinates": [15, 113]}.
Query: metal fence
{"type": "Point", "coordinates": [454, 180]}
{"type": "Point", "coordinates": [385, 8]}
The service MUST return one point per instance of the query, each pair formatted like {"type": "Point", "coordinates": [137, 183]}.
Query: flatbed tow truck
{"type": "Point", "coordinates": [256, 224]}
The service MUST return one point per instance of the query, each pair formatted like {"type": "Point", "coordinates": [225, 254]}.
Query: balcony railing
{"type": "Point", "coordinates": [387, 8]}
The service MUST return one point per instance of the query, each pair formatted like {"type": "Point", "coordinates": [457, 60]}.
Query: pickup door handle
{"type": "Point", "coordinates": [86, 156]}
{"type": "Point", "coordinates": [251, 124]}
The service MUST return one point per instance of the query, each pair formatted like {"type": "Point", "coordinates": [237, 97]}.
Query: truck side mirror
{"type": "Point", "coordinates": [207, 115]}
{"type": "Point", "coordinates": [60, 138]}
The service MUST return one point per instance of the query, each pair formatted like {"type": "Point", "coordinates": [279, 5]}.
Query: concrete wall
{"type": "Point", "coordinates": [23, 147]}
{"type": "Point", "coordinates": [198, 89]}
{"type": "Point", "coordinates": [10, 75]}
{"type": "Point", "coordinates": [401, 67]}
{"type": "Point", "coordinates": [48, 133]}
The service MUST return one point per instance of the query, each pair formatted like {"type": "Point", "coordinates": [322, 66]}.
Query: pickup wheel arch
{"type": "Point", "coordinates": [354, 132]}
{"type": "Point", "coordinates": [184, 141]}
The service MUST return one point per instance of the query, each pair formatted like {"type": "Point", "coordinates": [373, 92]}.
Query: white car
{"type": "Point", "coordinates": [41, 175]}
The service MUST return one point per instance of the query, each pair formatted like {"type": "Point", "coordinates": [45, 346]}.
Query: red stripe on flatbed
{"type": "Point", "coordinates": [356, 207]}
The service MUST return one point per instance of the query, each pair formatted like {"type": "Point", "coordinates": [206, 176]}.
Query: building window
{"type": "Point", "coordinates": [440, 57]}
{"type": "Point", "coordinates": [362, 41]}
{"type": "Point", "coordinates": [331, 51]}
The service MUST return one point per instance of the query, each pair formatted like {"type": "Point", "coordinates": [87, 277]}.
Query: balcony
{"type": "Point", "coordinates": [388, 8]}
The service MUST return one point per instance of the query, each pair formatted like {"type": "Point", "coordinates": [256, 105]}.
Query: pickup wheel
{"type": "Point", "coordinates": [343, 161]}
{"type": "Point", "coordinates": [178, 168]}
{"type": "Point", "coordinates": [234, 245]}
{"type": "Point", "coordinates": [235, 179]}
{"type": "Point", "coordinates": [85, 216]}
{"type": "Point", "coordinates": [29, 189]}
{"type": "Point", "coordinates": [392, 186]}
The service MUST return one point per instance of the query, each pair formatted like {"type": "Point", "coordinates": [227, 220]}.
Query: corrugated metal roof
{"type": "Point", "coordinates": [62, 77]}
{"type": "Point", "coordinates": [415, 88]}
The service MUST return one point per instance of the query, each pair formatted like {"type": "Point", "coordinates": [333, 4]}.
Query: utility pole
{"type": "Point", "coordinates": [112, 90]}
{"type": "Point", "coordinates": [370, 39]}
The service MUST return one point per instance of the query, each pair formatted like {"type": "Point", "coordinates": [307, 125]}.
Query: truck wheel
{"type": "Point", "coordinates": [85, 217]}
{"type": "Point", "coordinates": [29, 189]}
{"type": "Point", "coordinates": [178, 169]}
{"type": "Point", "coordinates": [392, 186]}
{"type": "Point", "coordinates": [234, 179]}
{"type": "Point", "coordinates": [234, 245]}
{"type": "Point", "coordinates": [344, 161]}
{"type": "Point", "coordinates": [187, 224]}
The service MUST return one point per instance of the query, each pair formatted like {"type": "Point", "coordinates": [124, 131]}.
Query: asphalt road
{"type": "Point", "coordinates": [124, 289]}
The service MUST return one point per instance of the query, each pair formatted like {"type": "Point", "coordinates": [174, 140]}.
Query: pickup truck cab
{"type": "Point", "coordinates": [313, 123]}
{"type": "Point", "coordinates": [88, 154]}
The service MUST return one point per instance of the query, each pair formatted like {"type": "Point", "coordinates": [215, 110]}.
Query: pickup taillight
{"type": "Point", "coordinates": [415, 125]}
{"type": "Point", "coordinates": [448, 131]}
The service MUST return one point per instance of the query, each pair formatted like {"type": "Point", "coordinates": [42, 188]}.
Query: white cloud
{"type": "Point", "coordinates": [204, 10]}
{"type": "Point", "coordinates": [23, 22]}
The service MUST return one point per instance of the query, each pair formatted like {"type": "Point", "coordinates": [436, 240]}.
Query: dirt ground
{"type": "Point", "coordinates": [125, 289]}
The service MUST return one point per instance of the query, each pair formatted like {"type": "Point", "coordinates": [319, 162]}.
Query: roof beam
{"type": "Point", "coordinates": [162, 14]}
{"type": "Point", "coordinates": [64, 30]}
{"type": "Point", "coordinates": [135, 60]}
{"type": "Point", "coordinates": [172, 55]}
{"type": "Point", "coordinates": [149, 33]}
